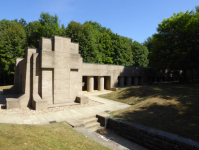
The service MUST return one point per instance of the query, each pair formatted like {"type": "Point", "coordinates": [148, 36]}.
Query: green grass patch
{"type": "Point", "coordinates": [53, 136]}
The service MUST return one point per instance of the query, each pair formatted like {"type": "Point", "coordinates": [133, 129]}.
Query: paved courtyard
{"type": "Point", "coordinates": [59, 116]}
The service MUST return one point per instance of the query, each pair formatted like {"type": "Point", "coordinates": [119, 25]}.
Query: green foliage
{"type": "Point", "coordinates": [106, 48]}
{"type": "Point", "coordinates": [47, 26]}
{"type": "Point", "coordinates": [175, 46]}
{"type": "Point", "coordinates": [140, 54]}
{"type": "Point", "coordinates": [97, 44]}
{"type": "Point", "coordinates": [12, 45]}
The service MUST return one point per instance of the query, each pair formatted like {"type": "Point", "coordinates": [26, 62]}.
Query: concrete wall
{"type": "Point", "coordinates": [139, 75]}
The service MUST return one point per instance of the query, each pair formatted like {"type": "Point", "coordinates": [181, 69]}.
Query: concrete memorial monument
{"type": "Point", "coordinates": [53, 74]}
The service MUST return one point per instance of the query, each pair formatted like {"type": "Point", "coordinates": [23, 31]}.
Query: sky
{"type": "Point", "coordinates": [135, 19]}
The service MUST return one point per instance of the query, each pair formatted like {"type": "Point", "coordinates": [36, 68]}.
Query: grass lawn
{"type": "Point", "coordinates": [53, 136]}
{"type": "Point", "coordinates": [172, 108]}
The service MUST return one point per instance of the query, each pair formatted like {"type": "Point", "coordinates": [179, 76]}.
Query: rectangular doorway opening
{"type": "Point", "coordinates": [118, 80]}
{"type": "Point", "coordinates": [95, 82]}
{"type": "Point", "coordinates": [132, 80]}
{"type": "Point", "coordinates": [139, 80]}
{"type": "Point", "coordinates": [125, 81]}
{"type": "Point", "coordinates": [84, 83]}
{"type": "Point", "coordinates": [107, 81]}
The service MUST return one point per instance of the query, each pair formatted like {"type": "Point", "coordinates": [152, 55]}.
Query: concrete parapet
{"type": "Point", "coordinates": [103, 118]}
{"type": "Point", "coordinates": [148, 137]}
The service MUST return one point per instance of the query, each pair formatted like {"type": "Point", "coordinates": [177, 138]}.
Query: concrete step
{"type": "Point", "coordinates": [91, 125]}
{"type": "Point", "coordinates": [88, 117]}
{"type": "Point", "coordinates": [89, 120]}
{"type": "Point", "coordinates": [62, 104]}
{"type": "Point", "coordinates": [97, 128]}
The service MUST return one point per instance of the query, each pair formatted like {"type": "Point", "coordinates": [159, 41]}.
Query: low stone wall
{"type": "Point", "coordinates": [150, 138]}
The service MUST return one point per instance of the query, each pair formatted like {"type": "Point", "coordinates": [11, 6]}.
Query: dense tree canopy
{"type": "Point", "coordinates": [140, 54]}
{"type": "Point", "coordinates": [97, 44]}
{"type": "Point", "coordinates": [176, 44]}
{"type": "Point", "coordinates": [12, 44]}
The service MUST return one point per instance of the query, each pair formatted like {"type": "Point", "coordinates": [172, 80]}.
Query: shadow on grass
{"type": "Point", "coordinates": [182, 120]}
{"type": "Point", "coordinates": [181, 117]}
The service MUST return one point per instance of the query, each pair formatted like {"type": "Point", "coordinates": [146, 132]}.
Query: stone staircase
{"type": "Point", "coordinates": [91, 123]}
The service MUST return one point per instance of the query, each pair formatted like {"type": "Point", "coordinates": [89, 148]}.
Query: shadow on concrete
{"type": "Point", "coordinates": [122, 141]}
{"type": "Point", "coordinates": [143, 74]}
{"type": "Point", "coordinates": [3, 98]}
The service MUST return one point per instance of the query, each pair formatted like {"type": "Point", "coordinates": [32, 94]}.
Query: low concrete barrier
{"type": "Point", "coordinates": [150, 138]}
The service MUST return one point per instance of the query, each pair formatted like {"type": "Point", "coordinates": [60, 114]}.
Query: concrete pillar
{"type": "Point", "coordinates": [100, 83]}
{"type": "Point", "coordinates": [135, 81]}
{"type": "Point", "coordinates": [121, 81]}
{"type": "Point", "coordinates": [90, 83]}
{"type": "Point", "coordinates": [129, 81]}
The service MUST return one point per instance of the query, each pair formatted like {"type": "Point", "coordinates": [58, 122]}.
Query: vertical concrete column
{"type": "Point", "coordinates": [121, 81]}
{"type": "Point", "coordinates": [129, 81]}
{"type": "Point", "coordinates": [90, 83]}
{"type": "Point", "coordinates": [100, 83]}
{"type": "Point", "coordinates": [135, 81]}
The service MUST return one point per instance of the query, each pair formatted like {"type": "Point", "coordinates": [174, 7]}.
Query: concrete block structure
{"type": "Point", "coordinates": [55, 75]}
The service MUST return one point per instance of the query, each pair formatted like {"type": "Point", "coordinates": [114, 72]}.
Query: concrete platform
{"type": "Point", "coordinates": [59, 116]}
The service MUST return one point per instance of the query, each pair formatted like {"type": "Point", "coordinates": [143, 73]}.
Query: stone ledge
{"type": "Point", "coordinates": [103, 118]}
{"type": "Point", "coordinates": [81, 99]}
{"type": "Point", "coordinates": [149, 137]}
{"type": "Point", "coordinates": [12, 103]}
{"type": "Point", "coordinates": [38, 103]}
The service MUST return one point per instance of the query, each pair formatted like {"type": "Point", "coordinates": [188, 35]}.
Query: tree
{"type": "Point", "coordinates": [106, 48]}
{"type": "Point", "coordinates": [122, 53]}
{"type": "Point", "coordinates": [175, 46]}
{"type": "Point", "coordinates": [140, 54]}
{"type": "Point", "coordinates": [88, 40]}
{"type": "Point", "coordinates": [46, 26]}
{"type": "Point", "coordinates": [12, 45]}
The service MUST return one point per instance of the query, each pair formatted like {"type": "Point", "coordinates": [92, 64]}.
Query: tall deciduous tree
{"type": "Point", "coordinates": [173, 44]}
{"type": "Point", "coordinates": [12, 45]}
{"type": "Point", "coordinates": [176, 44]}
{"type": "Point", "coordinates": [46, 26]}
{"type": "Point", "coordinates": [140, 54]}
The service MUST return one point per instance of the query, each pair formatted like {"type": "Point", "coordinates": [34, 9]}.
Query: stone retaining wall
{"type": "Point", "coordinates": [150, 138]}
